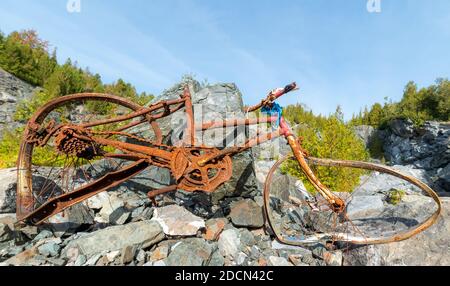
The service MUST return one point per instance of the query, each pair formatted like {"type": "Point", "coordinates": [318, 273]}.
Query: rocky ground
{"type": "Point", "coordinates": [122, 227]}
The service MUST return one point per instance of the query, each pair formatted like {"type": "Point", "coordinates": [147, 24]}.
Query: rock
{"type": "Point", "coordinates": [6, 233]}
{"type": "Point", "coordinates": [190, 252]}
{"type": "Point", "coordinates": [56, 261]}
{"type": "Point", "coordinates": [128, 254]}
{"type": "Point", "coordinates": [247, 213]}
{"type": "Point", "coordinates": [8, 219]}
{"type": "Point", "coordinates": [12, 91]}
{"type": "Point", "coordinates": [241, 258]}
{"type": "Point", "coordinates": [297, 249]}
{"type": "Point", "coordinates": [159, 263]}
{"type": "Point", "coordinates": [141, 256]}
{"type": "Point", "coordinates": [229, 243]}
{"type": "Point", "coordinates": [24, 257]}
{"type": "Point", "coordinates": [216, 259]}
{"type": "Point", "coordinates": [278, 261]}
{"type": "Point", "coordinates": [365, 206]}
{"type": "Point", "coordinates": [119, 216]}
{"type": "Point", "coordinates": [98, 201]}
{"type": "Point", "coordinates": [8, 177]}
{"type": "Point", "coordinates": [333, 258]}
{"type": "Point", "coordinates": [365, 133]}
{"type": "Point", "coordinates": [72, 255]}
{"type": "Point", "coordinates": [213, 102]}
{"type": "Point", "coordinates": [29, 231]}
{"type": "Point", "coordinates": [49, 249]}
{"type": "Point", "coordinates": [71, 219]}
{"type": "Point", "coordinates": [109, 207]}
{"type": "Point", "coordinates": [161, 252]}
{"type": "Point", "coordinates": [177, 221]}
{"type": "Point", "coordinates": [444, 178]}
{"type": "Point", "coordinates": [113, 255]}
{"type": "Point", "coordinates": [93, 260]}
{"type": "Point", "coordinates": [43, 235]}
{"type": "Point", "coordinates": [81, 260]}
{"type": "Point", "coordinates": [214, 228]}
{"type": "Point", "coordinates": [402, 128]}
{"type": "Point", "coordinates": [143, 234]}
{"type": "Point", "coordinates": [429, 248]}
{"type": "Point", "coordinates": [246, 237]}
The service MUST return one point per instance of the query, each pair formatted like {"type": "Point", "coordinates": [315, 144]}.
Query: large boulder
{"type": "Point", "coordinates": [143, 234]}
{"type": "Point", "coordinates": [429, 248]}
{"type": "Point", "coordinates": [215, 102]}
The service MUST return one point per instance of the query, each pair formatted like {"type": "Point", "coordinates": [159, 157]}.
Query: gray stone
{"type": "Point", "coordinates": [278, 261]}
{"type": "Point", "coordinates": [190, 252]}
{"type": "Point", "coordinates": [141, 256]}
{"type": "Point", "coordinates": [43, 235]}
{"type": "Point", "coordinates": [247, 213]}
{"type": "Point", "coordinates": [56, 261]}
{"type": "Point", "coordinates": [6, 233]}
{"type": "Point", "coordinates": [402, 128]}
{"type": "Point", "coordinates": [177, 221]}
{"type": "Point", "coordinates": [241, 257]}
{"type": "Point", "coordinates": [49, 249]}
{"type": "Point", "coordinates": [143, 234]}
{"type": "Point", "coordinates": [71, 219]}
{"type": "Point", "coordinates": [128, 254]}
{"type": "Point", "coordinates": [113, 203]}
{"type": "Point", "coordinates": [214, 102]}
{"type": "Point", "coordinates": [334, 258]}
{"type": "Point", "coordinates": [81, 260]}
{"type": "Point", "coordinates": [365, 206]}
{"type": "Point", "coordinates": [365, 133]}
{"type": "Point", "coordinates": [429, 248]}
{"type": "Point", "coordinates": [216, 259]}
{"type": "Point", "coordinates": [229, 243]}
{"type": "Point", "coordinates": [119, 216]}
{"type": "Point", "coordinates": [8, 177]}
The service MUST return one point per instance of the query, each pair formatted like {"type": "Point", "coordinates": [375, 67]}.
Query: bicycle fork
{"type": "Point", "coordinates": [336, 203]}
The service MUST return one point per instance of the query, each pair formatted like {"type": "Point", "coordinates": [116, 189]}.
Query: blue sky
{"type": "Point", "coordinates": [336, 50]}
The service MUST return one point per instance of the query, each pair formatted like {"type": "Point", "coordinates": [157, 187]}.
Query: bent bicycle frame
{"type": "Point", "coordinates": [144, 157]}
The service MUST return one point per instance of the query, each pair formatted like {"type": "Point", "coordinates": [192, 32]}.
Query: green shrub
{"type": "Point", "coordinates": [395, 196]}
{"type": "Point", "coordinates": [328, 137]}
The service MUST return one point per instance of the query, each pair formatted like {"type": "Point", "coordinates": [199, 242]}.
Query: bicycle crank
{"type": "Point", "coordinates": [192, 177]}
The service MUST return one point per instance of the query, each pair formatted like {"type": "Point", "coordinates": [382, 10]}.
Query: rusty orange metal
{"type": "Point", "coordinates": [193, 167]}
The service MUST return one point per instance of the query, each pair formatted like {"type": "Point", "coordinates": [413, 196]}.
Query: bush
{"type": "Point", "coordinates": [328, 137]}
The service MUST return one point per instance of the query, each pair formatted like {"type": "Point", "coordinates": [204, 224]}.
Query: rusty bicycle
{"type": "Point", "coordinates": [100, 133]}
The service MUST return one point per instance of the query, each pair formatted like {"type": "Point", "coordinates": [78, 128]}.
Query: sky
{"type": "Point", "coordinates": [338, 51]}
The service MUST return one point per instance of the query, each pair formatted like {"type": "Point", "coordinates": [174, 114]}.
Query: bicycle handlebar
{"type": "Point", "coordinates": [273, 95]}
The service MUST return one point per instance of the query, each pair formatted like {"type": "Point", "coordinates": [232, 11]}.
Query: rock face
{"type": "Point", "coordinates": [426, 148]}
{"type": "Point", "coordinates": [12, 91]}
{"type": "Point", "coordinates": [177, 221]}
